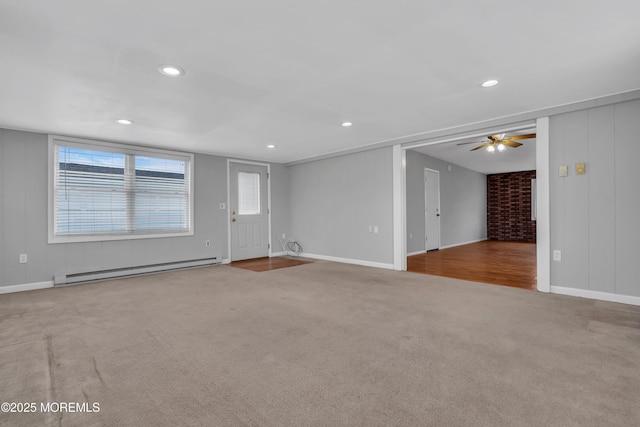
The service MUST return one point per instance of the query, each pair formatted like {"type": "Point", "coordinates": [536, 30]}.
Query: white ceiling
{"type": "Point", "coordinates": [522, 158]}
{"type": "Point", "coordinates": [289, 72]}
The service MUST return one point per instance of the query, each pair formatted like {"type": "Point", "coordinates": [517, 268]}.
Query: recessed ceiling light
{"type": "Point", "coordinates": [347, 124]}
{"type": "Point", "coordinates": [171, 70]}
{"type": "Point", "coordinates": [124, 121]}
{"type": "Point", "coordinates": [271, 146]}
{"type": "Point", "coordinates": [490, 83]}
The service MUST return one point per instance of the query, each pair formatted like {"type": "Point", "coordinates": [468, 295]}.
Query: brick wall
{"type": "Point", "coordinates": [509, 207]}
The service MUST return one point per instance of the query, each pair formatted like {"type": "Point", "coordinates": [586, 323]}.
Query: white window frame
{"type": "Point", "coordinates": [122, 149]}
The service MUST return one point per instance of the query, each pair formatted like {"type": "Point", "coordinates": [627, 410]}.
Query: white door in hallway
{"type": "Point", "coordinates": [432, 209]}
{"type": "Point", "coordinates": [249, 214]}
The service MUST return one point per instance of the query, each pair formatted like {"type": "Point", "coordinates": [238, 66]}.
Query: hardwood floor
{"type": "Point", "coordinates": [266, 263]}
{"type": "Point", "coordinates": [490, 261]}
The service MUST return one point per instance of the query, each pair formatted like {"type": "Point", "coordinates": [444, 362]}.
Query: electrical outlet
{"type": "Point", "coordinates": [557, 255]}
{"type": "Point", "coordinates": [23, 258]}
{"type": "Point", "coordinates": [207, 243]}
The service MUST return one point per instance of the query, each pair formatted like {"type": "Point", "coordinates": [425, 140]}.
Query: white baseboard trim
{"type": "Point", "coordinates": [603, 296]}
{"type": "Point", "coordinates": [226, 261]}
{"type": "Point", "coordinates": [417, 253]}
{"type": "Point", "coordinates": [25, 287]}
{"type": "Point", "coordinates": [463, 243]}
{"type": "Point", "coordinates": [349, 261]}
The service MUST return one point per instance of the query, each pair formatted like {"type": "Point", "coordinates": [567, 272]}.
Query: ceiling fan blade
{"type": "Point", "coordinates": [497, 137]}
{"type": "Point", "coordinates": [511, 143]}
{"type": "Point", "coordinates": [481, 146]}
{"type": "Point", "coordinates": [515, 137]}
{"type": "Point", "coordinates": [472, 142]}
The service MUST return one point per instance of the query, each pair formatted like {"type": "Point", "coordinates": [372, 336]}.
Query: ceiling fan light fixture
{"type": "Point", "coordinates": [499, 142]}
{"type": "Point", "coordinates": [346, 124]}
{"type": "Point", "coordinates": [490, 83]}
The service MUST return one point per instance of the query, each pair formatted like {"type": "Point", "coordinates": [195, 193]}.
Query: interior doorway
{"type": "Point", "coordinates": [538, 252]}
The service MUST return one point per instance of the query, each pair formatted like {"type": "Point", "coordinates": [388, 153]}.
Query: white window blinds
{"type": "Point", "coordinates": [101, 191]}
{"type": "Point", "coordinates": [248, 193]}
{"type": "Point", "coordinates": [160, 195]}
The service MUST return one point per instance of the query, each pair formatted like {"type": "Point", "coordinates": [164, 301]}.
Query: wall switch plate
{"type": "Point", "coordinates": [223, 206]}
{"type": "Point", "coordinates": [371, 229]}
{"type": "Point", "coordinates": [375, 229]}
{"type": "Point", "coordinates": [580, 169]}
{"type": "Point", "coordinates": [23, 258]}
{"type": "Point", "coordinates": [410, 235]}
{"type": "Point", "coordinates": [284, 236]}
{"type": "Point", "coordinates": [207, 243]}
{"type": "Point", "coordinates": [557, 255]}
{"type": "Point", "coordinates": [563, 170]}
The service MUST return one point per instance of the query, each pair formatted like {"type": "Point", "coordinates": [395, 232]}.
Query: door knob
{"type": "Point", "coordinates": [233, 220]}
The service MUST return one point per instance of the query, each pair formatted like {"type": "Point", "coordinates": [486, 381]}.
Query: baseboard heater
{"type": "Point", "coordinates": [67, 279]}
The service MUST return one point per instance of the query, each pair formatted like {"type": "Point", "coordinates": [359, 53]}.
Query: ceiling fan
{"type": "Point", "coordinates": [500, 142]}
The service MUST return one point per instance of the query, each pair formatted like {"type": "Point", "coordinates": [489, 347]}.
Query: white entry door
{"type": "Point", "coordinates": [249, 215]}
{"type": "Point", "coordinates": [432, 209]}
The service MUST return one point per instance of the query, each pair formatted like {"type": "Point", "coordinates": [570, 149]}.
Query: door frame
{"type": "Point", "coordinates": [437, 172]}
{"type": "Point", "coordinates": [247, 162]}
{"type": "Point", "coordinates": [543, 233]}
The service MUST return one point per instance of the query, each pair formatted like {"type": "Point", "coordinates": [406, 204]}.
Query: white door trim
{"type": "Point", "coordinates": [247, 162]}
{"type": "Point", "coordinates": [399, 176]}
{"type": "Point", "coordinates": [543, 215]}
{"type": "Point", "coordinates": [437, 172]}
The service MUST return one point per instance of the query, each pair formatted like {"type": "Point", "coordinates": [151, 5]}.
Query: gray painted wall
{"type": "Point", "coordinates": [334, 201]}
{"type": "Point", "coordinates": [329, 204]}
{"type": "Point", "coordinates": [463, 202]}
{"type": "Point", "coordinates": [280, 204]}
{"type": "Point", "coordinates": [23, 218]}
{"type": "Point", "coordinates": [594, 217]}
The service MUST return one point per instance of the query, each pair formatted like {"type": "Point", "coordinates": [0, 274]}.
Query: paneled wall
{"type": "Point", "coordinates": [509, 207]}
{"type": "Point", "coordinates": [594, 216]}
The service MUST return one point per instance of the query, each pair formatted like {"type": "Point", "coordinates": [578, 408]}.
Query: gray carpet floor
{"type": "Point", "coordinates": [320, 344]}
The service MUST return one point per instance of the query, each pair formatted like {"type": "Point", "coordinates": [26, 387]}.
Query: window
{"type": "Point", "coordinates": [248, 193]}
{"type": "Point", "coordinates": [102, 191]}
